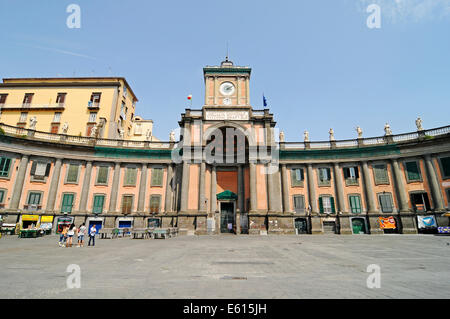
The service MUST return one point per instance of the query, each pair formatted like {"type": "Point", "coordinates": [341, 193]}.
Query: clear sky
{"type": "Point", "coordinates": [316, 61]}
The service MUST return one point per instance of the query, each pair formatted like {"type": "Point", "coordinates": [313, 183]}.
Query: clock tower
{"type": "Point", "coordinates": [227, 85]}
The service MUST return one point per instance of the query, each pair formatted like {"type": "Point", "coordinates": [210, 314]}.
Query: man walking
{"type": "Point", "coordinates": [92, 233]}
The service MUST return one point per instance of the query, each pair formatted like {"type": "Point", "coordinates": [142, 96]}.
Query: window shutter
{"type": "Point", "coordinates": [356, 172]}
{"type": "Point", "coordinates": [102, 175]}
{"type": "Point", "coordinates": [321, 205]}
{"type": "Point", "coordinates": [33, 168]}
{"type": "Point", "coordinates": [328, 174]}
{"type": "Point", "coordinates": [413, 171]}
{"type": "Point", "coordinates": [47, 169]}
{"type": "Point", "coordinates": [320, 174]}
{"type": "Point", "coordinates": [333, 209]}
{"type": "Point", "coordinates": [445, 161]}
{"type": "Point", "coordinates": [346, 172]}
{"type": "Point", "coordinates": [2, 195]}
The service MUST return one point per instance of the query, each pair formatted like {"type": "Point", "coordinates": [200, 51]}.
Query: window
{"type": "Point", "coordinates": [92, 117]}
{"type": "Point", "coordinates": [138, 129]}
{"type": "Point", "coordinates": [27, 99]}
{"type": "Point", "coordinates": [297, 177]}
{"type": "Point", "coordinates": [34, 199]}
{"type": "Point", "coordinates": [123, 113]}
{"type": "Point", "coordinates": [102, 175]}
{"type": "Point", "coordinates": [5, 165]}
{"type": "Point", "coordinates": [326, 205]}
{"type": "Point", "coordinates": [125, 91]}
{"type": "Point", "coordinates": [445, 165]}
{"type": "Point", "coordinates": [324, 176]}
{"type": "Point", "coordinates": [2, 195]}
{"type": "Point", "coordinates": [155, 203]}
{"type": "Point", "coordinates": [127, 203]}
{"type": "Point", "coordinates": [95, 100]}
{"type": "Point", "coordinates": [299, 203]}
{"type": "Point", "coordinates": [54, 128]}
{"type": "Point", "coordinates": [40, 170]}
{"type": "Point", "coordinates": [72, 173]}
{"type": "Point", "coordinates": [412, 171]}
{"type": "Point", "coordinates": [355, 204]}
{"type": "Point", "coordinates": [130, 176]}
{"type": "Point", "coordinates": [99, 201]}
{"type": "Point", "coordinates": [380, 174]}
{"type": "Point", "coordinates": [23, 117]}
{"type": "Point", "coordinates": [61, 98]}
{"type": "Point", "coordinates": [157, 177]}
{"type": "Point", "coordinates": [3, 99]}
{"type": "Point", "coordinates": [351, 175]}
{"type": "Point", "coordinates": [386, 204]}
{"type": "Point", "coordinates": [67, 203]}
{"type": "Point", "coordinates": [57, 117]}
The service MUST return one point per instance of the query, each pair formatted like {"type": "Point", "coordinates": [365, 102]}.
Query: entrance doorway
{"type": "Point", "coordinates": [329, 227]}
{"type": "Point", "coordinates": [227, 220]}
{"type": "Point", "coordinates": [301, 226]}
{"type": "Point", "coordinates": [358, 226]}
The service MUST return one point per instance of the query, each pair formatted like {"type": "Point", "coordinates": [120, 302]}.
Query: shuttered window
{"type": "Point", "coordinates": [2, 195]}
{"type": "Point", "coordinates": [127, 204]}
{"type": "Point", "coordinates": [380, 174]}
{"type": "Point", "coordinates": [386, 204]}
{"type": "Point", "coordinates": [351, 175]}
{"type": "Point", "coordinates": [40, 170]}
{"type": "Point", "coordinates": [445, 163]}
{"type": "Point", "coordinates": [72, 173]}
{"type": "Point", "coordinates": [326, 205]}
{"type": "Point", "coordinates": [355, 204]}
{"type": "Point", "coordinates": [297, 176]}
{"type": "Point", "coordinates": [34, 198]}
{"type": "Point", "coordinates": [130, 176]}
{"type": "Point", "coordinates": [155, 203]}
{"type": "Point", "coordinates": [102, 176]}
{"type": "Point", "coordinates": [324, 176]}
{"type": "Point", "coordinates": [412, 171]}
{"type": "Point", "coordinates": [99, 201]}
{"type": "Point", "coordinates": [5, 165]}
{"type": "Point", "coordinates": [67, 203]}
{"type": "Point", "coordinates": [157, 177]}
{"type": "Point", "coordinates": [299, 203]}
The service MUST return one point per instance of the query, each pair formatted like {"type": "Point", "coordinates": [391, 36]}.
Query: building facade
{"type": "Point", "coordinates": [72, 106]}
{"type": "Point", "coordinates": [228, 173]}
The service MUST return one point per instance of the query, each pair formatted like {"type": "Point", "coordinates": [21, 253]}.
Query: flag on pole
{"type": "Point", "coordinates": [264, 100]}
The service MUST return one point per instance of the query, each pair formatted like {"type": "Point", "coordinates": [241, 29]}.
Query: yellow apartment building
{"type": "Point", "coordinates": [72, 106]}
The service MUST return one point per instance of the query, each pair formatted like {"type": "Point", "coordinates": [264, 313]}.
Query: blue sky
{"type": "Point", "coordinates": [317, 62]}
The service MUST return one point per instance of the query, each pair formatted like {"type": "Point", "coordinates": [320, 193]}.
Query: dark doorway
{"type": "Point", "coordinates": [420, 202]}
{"type": "Point", "coordinates": [227, 221]}
{"type": "Point", "coordinates": [329, 227]}
{"type": "Point", "coordinates": [301, 225]}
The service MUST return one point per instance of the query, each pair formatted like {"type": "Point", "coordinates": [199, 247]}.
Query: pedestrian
{"type": "Point", "coordinates": [92, 233]}
{"type": "Point", "coordinates": [70, 234]}
{"type": "Point", "coordinates": [81, 233]}
{"type": "Point", "coordinates": [63, 237]}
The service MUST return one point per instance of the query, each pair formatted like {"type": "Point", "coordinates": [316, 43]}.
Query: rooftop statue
{"type": "Point", "coordinates": [33, 122]}
{"type": "Point", "coordinates": [419, 124]}
{"type": "Point", "coordinates": [331, 134]}
{"type": "Point", "coordinates": [282, 137]}
{"type": "Point", "coordinates": [359, 131]}
{"type": "Point", "coordinates": [387, 129]}
{"type": "Point", "coordinates": [306, 136]}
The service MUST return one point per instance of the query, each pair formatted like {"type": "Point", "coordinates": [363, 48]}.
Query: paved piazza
{"type": "Point", "coordinates": [412, 266]}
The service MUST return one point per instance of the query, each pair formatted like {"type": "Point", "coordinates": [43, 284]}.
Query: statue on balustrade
{"type": "Point", "coordinates": [282, 137]}
{"type": "Point", "coordinates": [65, 128]}
{"type": "Point", "coordinates": [33, 122]}
{"type": "Point", "coordinates": [172, 136]}
{"type": "Point", "coordinates": [331, 134]}
{"type": "Point", "coordinates": [387, 129]}
{"type": "Point", "coordinates": [359, 131]}
{"type": "Point", "coordinates": [306, 136]}
{"type": "Point", "coordinates": [419, 124]}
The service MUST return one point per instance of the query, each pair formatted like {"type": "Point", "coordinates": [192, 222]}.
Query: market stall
{"type": "Point", "coordinates": [62, 222]}
{"type": "Point", "coordinates": [46, 224]}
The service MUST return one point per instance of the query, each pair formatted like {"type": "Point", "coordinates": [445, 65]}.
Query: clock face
{"type": "Point", "coordinates": [227, 88]}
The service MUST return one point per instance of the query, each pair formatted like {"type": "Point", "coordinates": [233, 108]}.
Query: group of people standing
{"type": "Point", "coordinates": [68, 232]}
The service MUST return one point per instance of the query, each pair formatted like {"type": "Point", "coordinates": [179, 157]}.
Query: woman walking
{"type": "Point", "coordinates": [70, 235]}
{"type": "Point", "coordinates": [81, 233]}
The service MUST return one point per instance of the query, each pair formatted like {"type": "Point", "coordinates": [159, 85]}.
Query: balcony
{"type": "Point", "coordinates": [32, 208]}
{"type": "Point", "coordinates": [93, 105]}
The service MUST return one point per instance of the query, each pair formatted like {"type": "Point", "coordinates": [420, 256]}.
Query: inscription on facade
{"type": "Point", "coordinates": [227, 115]}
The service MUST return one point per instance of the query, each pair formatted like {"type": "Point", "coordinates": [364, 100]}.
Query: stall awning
{"type": "Point", "coordinates": [46, 219]}
{"type": "Point", "coordinates": [33, 218]}
{"type": "Point", "coordinates": [227, 195]}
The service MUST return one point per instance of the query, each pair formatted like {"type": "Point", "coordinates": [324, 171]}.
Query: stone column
{"type": "Point", "coordinates": [253, 207]}
{"type": "Point", "coordinates": [433, 183]}
{"type": "Point", "coordinates": [407, 218]}
{"type": "Point", "coordinates": [85, 189]}
{"type": "Point", "coordinates": [184, 187]}
{"type": "Point", "coordinates": [372, 210]}
{"type": "Point", "coordinates": [368, 187]}
{"type": "Point", "coordinates": [169, 189]}
{"type": "Point", "coordinates": [201, 192]}
{"type": "Point", "coordinates": [18, 185]}
{"type": "Point", "coordinates": [285, 189]}
{"type": "Point", "coordinates": [213, 191]}
{"type": "Point", "coordinates": [312, 190]}
{"type": "Point", "coordinates": [400, 188]}
{"type": "Point", "coordinates": [142, 188]}
{"type": "Point", "coordinates": [341, 207]}
{"type": "Point", "coordinates": [241, 190]}
{"type": "Point", "coordinates": [114, 189]}
{"type": "Point", "coordinates": [271, 191]}
{"type": "Point", "coordinates": [54, 186]}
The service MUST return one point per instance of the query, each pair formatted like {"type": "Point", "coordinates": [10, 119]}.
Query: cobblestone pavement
{"type": "Point", "coordinates": [412, 266]}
